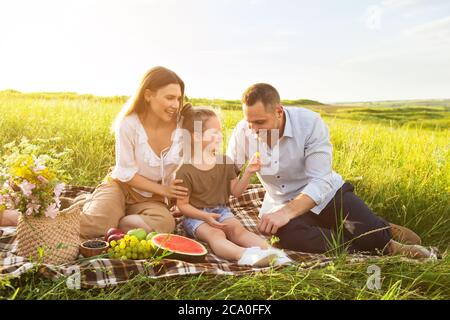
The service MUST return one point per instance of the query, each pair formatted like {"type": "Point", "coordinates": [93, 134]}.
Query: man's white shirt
{"type": "Point", "coordinates": [299, 162]}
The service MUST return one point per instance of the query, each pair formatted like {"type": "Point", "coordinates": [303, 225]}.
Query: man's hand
{"type": "Point", "coordinates": [271, 222]}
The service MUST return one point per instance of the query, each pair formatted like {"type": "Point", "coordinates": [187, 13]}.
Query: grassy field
{"type": "Point", "coordinates": [396, 155]}
{"type": "Point", "coordinates": [432, 114]}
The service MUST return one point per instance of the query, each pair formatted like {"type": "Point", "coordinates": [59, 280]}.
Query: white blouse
{"type": "Point", "coordinates": [135, 156]}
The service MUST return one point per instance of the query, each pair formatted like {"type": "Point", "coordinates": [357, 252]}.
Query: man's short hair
{"type": "Point", "coordinates": [263, 92]}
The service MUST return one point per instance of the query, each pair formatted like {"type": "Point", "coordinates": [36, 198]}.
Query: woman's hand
{"type": "Point", "coordinates": [211, 219]}
{"type": "Point", "coordinates": [173, 190]}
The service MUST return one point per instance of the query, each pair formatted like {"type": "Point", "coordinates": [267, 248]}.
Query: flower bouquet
{"type": "Point", "coordinates": [31, 185]}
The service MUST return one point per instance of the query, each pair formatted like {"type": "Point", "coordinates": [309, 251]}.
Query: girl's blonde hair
{"type": "Point", "coordinates": [190, 115]}
{"type": "Point", "coordinates": [153, 80]}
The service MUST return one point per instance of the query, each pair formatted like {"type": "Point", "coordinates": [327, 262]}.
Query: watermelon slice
{"type": "Point", "coordinates": [179, 247]}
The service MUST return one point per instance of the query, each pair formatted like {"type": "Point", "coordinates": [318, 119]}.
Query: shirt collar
{"type": "Point", "coordinates": [287, 124]}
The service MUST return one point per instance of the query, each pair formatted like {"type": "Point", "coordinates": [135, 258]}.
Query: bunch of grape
{"type": "Point", "coordinates": [129, 247]}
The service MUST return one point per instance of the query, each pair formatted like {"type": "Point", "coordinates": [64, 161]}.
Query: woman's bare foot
{"type": "Point", "coordinates": [9, 218]}
{"type": "Point", "coordinates": [410, 251]}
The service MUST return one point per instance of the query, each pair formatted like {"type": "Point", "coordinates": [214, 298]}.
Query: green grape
{"type": "Point", "coordinates": [134, 256]}
{"type": "Point", "coordinates": [134, 240]}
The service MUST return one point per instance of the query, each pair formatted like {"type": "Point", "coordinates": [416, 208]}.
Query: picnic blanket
{"type": "Point", "coordinates": [102, 272]}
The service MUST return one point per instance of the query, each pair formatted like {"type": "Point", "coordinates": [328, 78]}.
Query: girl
{"type": "Point", "coordinates": [210, 178]}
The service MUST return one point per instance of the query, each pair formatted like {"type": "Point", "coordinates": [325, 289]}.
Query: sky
{"type": "Point", "coordinates": [326, 50]}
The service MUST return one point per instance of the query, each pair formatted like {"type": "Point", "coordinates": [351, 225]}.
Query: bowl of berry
{"type": "Point", "coordinates": [91, 248]}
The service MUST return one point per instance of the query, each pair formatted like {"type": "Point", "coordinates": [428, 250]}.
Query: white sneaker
{"type": "Point", "coordinates": [257, 257]}
{"type": "Point", "coordinates": [282, 257]}
{"type": "Point", "coordinates": [283, 261]}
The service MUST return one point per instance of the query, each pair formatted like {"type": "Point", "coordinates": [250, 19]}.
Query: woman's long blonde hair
{"type": "Point", "coordinates": [153, 80]}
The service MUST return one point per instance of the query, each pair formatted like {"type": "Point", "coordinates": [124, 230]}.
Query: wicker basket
{"type": "Point", "coordinates": [51, 241]}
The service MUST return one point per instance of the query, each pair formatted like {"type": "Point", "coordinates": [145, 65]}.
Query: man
{"type": "Point", "coordinates": [307, 204]}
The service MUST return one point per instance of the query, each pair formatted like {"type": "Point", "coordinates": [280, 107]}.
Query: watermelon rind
{"type": "Point", "coordinates": [160, 249]}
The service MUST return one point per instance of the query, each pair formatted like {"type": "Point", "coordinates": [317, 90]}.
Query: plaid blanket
{"type": "Point", "coordinates": [101, 272]}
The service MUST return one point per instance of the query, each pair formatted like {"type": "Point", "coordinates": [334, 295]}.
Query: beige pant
{"type": "Point", "coordinates": [113, 200]}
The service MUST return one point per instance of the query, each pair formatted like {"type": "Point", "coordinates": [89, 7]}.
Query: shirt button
{"type": "Point", "coordinates": [278, 177]}
{"type": "Point", "coordinates": [282, 186]}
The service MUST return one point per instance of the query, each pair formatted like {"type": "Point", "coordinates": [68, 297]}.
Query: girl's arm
{"type": "Point", "coordinates": [190, 211]}
{"type": "Point", "coordinates": [239, 185]}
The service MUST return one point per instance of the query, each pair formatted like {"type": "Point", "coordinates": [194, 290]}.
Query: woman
{"type": "Point", "coordinates": [136, 193]}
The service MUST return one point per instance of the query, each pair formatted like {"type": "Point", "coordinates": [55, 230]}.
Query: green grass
{"type": "Point", "coordinates": [397, 157]}
{"type": "Point", "coordinates": [420, 114]}
{"type": "Point", "coordinates": [414, 117]}
{"type": "Point", "coordinates": [399, 280]}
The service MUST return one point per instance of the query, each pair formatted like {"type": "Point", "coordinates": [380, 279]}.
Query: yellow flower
{"type": "Point", "coordinates": [46, 173]}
